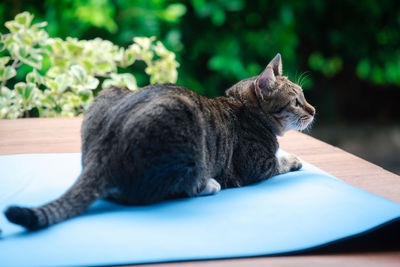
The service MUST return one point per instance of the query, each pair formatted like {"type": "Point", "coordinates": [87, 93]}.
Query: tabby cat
{"type": "Point", "coordinates": [165, 141]}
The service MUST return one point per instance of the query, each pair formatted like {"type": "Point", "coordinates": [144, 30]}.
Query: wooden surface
{"type": "Point", "coordinates": [63, 135]}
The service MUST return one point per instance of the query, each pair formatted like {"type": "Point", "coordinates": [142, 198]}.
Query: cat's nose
{"type": "Point", "coordinates": [310, 109]}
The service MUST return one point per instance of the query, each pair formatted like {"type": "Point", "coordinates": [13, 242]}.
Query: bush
{"type": "Point", "coordinates": [54, 77]}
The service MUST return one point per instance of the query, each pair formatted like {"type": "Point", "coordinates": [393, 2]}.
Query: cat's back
{"type": "Point", "coordinates": [116, 107]}
{"type": "Point", "coordinates": [122, 104]}
{"type": "Point", "coordinates": [156, 106]}
{"type": "Point", "coordinates": [117, 100]}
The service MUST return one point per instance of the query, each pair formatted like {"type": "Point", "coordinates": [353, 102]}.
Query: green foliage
{"type": "Point", "coordinates": [328, 66]}
{"type": "Point", "coordinates": [59, 77]}
{"type": "Point", "coordinates": [220, 42]}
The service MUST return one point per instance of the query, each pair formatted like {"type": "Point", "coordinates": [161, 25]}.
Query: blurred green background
{"type": "Point", "coordinates": [346, 54]}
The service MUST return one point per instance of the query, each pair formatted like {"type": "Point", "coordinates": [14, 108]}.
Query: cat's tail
{"type": "Point", "coordinates": [74, 202]}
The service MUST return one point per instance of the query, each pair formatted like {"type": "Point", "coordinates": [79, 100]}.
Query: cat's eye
{"type": "Point", "coordinates": [295, 102]}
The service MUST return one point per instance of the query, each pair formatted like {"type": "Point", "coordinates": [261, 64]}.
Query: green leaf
{"type": "Point", "coordinates": [24, 38]}
{"type": "Point", "coordinates": [50, 83]}
{"type": "Point", "coordinates": [97, 13]}
{"type": "Point", "coordinates": [78, 73]}
{"type": "Point", "coordinates": [125, 79]}
{"type": "Point", "coordinates": [174, 12]}
{"type": "Point", "coordinates": [129, 81]}
{"type": "Point", "coordinates": [20, 88]}
{"type": "Point", "coordinates": [89, 65]}
{"type": "Point", "coordinates": [144, 42]}
{"type": "Point", "coordinates": [63, 82]}
{"type": "Point", "coordinates": [104, 67]}
{"type": "Point", "coordinates": [363, 69]}
{"type": "Point", "coordinates": [40, 25]}
{"type": "Point", "coordinates": [36, 54]}
{"type": "Point", "coordinates": [218, 17]}
{"type": "Point", "coordinates": [91, 82]}
{"type": "Point", "coordinates": [24, 18]}
{"type": "Point", "coordinates": [31, 77]}
{"type": "Point", "coordinates": [316, 61]}
{"type": "Point", "coordinates": [12, 26]}
{"type": "Point", "coordinates": [57, 46]}
{"type": "Point", "coordinates": [28, 91]}
{"type": "Point", "coordinates": [9, 72]}
{"type": "Point", "coordinates": [378, 75]}
{"type": "Point", "coordinates": [4, 60]}
{"type": "Point", "coordinates": [23, 51]}
{"type": "Point", "coordinates": [9, 42]}
{"type": "Point", "coordinates": [85, 94]}
{"type": "Point", "coordinates": [160, 50]}
{"type": "Point", "coordinates": [32, 62]}
{"type": "Point", "coordinates": [74, 47]}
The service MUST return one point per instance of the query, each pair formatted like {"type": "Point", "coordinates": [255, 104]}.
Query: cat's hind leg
{"type": "Point", "coordinates": [116, 197]}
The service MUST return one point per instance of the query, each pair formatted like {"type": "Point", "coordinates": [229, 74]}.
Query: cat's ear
{"type": "Point", "coordinates": [276, 64]}
{"type": "Point", "coordinates": [265, 82]}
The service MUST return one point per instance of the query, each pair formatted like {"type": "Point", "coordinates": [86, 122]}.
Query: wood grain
{"type": "Point", "coordinates": [63, 135]}
{"type": "Point", "coordinates": [345, 166]}
{"type": "Point", "coordinates": [354, 259]}
{"type": "Point", "coordinates": [40, 135]}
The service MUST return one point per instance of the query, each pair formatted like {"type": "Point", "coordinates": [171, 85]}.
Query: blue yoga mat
{"type": "Point", "coordinates": [287, 213]}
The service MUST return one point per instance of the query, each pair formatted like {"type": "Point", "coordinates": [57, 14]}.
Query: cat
{"type": "Point", "coordinates": [165, 141]}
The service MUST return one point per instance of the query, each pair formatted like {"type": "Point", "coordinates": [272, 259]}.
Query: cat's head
{"type": "Point", "coordinates": [275, 96]}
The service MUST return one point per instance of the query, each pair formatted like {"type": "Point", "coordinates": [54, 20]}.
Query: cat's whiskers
{"type": "Point", "coordinates": [303, 77]}
{"type": "Point", "coordinates": [305, 123]}
{"type": "Point", "coordinates": [292, 125]}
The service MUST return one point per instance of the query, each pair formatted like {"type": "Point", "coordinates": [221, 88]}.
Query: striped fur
{"type": "Point", "coordinates": [165, 141]}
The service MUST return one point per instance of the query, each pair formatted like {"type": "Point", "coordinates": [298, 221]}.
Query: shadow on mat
{"type": "Point", "coordinates": [384, 238]}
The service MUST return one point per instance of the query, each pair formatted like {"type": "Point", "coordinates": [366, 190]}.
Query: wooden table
{"type": "Point", "coordinates": [63, 135]}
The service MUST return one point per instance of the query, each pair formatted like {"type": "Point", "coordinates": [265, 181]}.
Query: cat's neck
{"type": "Point", "coordinates": [250, 108]}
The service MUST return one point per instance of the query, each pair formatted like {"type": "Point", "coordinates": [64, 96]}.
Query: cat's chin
{"type": "Point", "coordinates": [301, 125]}
{"type": "Point", "coordinates": [306, 125]}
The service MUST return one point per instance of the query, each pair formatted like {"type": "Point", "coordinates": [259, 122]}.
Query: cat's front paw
{"type": "Point", "coordinates": [294, 163]}
{"type": "Point", "coordinates": [212, 187]}
{"type": "Point", "coordinates": [289, 163]}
